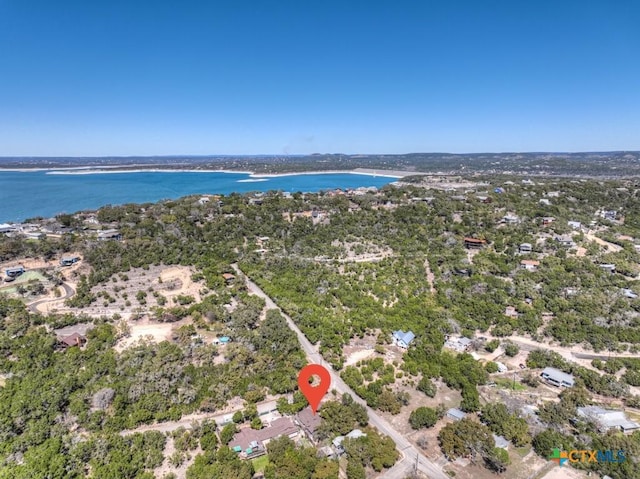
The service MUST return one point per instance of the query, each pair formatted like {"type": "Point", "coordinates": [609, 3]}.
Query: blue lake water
{"type": "Point", "coordinates": [27, 194]}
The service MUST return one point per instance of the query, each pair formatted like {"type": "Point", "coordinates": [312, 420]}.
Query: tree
{"type": "Point", "coordinates": [426, 386]}
{"type": "Point", "coordinates": [511, 349]}
{"type": "Point", "coordinates": [227, 433]}
{"type": "Point", "coordinates": [355, 470]}
{"type": "Point", "coordinates": [466, 438]}
{"type": "Point", "coordinates": [423, 417]}
{"type": "Point", "coordinates": [497, 460]}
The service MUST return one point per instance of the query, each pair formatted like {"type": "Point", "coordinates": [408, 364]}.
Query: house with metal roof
{"type": "Point", "coordinates": [558, 378]}
{"type": "Point", "coordinates": [608, 419]}
{"type": "Point", "coordinates": [402, 339]}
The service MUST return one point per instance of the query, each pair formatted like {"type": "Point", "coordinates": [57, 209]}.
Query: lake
{"type": "Point", "coordinates": [27, 194]}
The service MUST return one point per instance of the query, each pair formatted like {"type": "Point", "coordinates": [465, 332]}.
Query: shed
{"type": "Point", "coordinates": [456, 414]}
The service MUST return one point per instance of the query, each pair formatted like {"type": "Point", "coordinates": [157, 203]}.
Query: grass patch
{"type": "Point", "coordinates": [259, 463]}
{"type": "Point", "coordinates": [510, 384]}
{"type": "Point", "coordinates": [523, 451]}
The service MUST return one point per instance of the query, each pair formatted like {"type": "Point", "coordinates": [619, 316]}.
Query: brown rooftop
{"type": "Point", "coordinates": [280, 427]}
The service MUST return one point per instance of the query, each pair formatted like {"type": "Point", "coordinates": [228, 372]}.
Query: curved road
{"type": "Point", "coordinates": [68, 292]}
{"type": "Point", "coordinates": [408, 450]}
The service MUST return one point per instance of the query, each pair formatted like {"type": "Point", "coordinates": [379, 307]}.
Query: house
{"type": "Point", "coordinates": [609, 214]}
{"type": "Point", "coordinates": [544, 202]}
{"type": "Point", "coordinates": [402, 339]}
{"type": "Point", "coordinates": [309, 423]}
{"type": "Point", "coordinates": [69, 260]}
{"type": "Point", "coordinates": [558, 378]}
{"type": "Point", "coordinates": [204, 200]}
{"type": "Point", "coordinates": [73, 339]}
{"type": "Point", "coordinates": [629, 293]}
{"type": "Point", "coordinates": [228, 277]}
{"type": "Point", "coordinates": [7, 228]}
{"type": "Point", "coordinates": [570, 291]}
{"type": "Point", "coordinates": [608, 419]}
{"type": "Point", "coordinates": [111, 234]}
{"type": "Point", "coordinates": [529, 264]}
{"type": "Point", "coordinates": [252, 443]}
{"type": "Point", "coordinates": [565, 240]}
{"type": "Point", "coordinates": [608, 267]}
{"type": "Point", "coordinates": [525, 248]}
{"type": "Point", "coordinates": [14, 272]}
{"type": "Point", "coordinates": [474, 243]}
{"type": "Point", "coordinates": [547, 220]}
{"type": "Point", "coordinates": [511, 219]}
{"type": "Point", "coordinates": [576, 225]}
{"type": "Point", "coordinates": [460, 344]}
{"type": "Point", "coordinates": [456, 414]}
{"type": "Point", "coordinates": [511, 312]}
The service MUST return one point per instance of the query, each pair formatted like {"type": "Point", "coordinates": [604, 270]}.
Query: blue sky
{"type": "Point", "coordinates": [293, 77]}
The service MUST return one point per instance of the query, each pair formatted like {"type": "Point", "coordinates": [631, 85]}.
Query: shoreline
{"type": "Point", "coordinates": [119, 169]}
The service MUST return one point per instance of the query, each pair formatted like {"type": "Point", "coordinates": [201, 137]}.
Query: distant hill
{"type": "Point", "coordinates": [605, 164]}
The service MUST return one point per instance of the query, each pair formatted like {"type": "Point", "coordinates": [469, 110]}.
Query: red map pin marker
{"type": "Point", "coordinates": [314, 394]}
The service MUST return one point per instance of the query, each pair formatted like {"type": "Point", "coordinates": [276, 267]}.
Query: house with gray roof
{"type": "Point", "coordinates": [402, 339]}
{"type": "Point", "coordinates": [558, 378]}
{"type": "Point", "coordinates": [608, 419]}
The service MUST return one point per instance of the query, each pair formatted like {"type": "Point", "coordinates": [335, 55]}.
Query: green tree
{"type": "Point", "coordinates": [423, 417]}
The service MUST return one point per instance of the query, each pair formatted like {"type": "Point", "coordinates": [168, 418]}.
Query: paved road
{"type": "Point", "coordinates": [408, 450]}
{"type": "Point", "coordinates": [68, 292]}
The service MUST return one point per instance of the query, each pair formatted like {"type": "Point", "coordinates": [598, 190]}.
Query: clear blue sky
{"type": "Point", "coordinates": [136, 77]}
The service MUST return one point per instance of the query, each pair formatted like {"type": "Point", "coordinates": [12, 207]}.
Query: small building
{"type": "Point", "coordinates": [511, 312]}
{"type": "Point", "coordinates": [544, 202]}
{"type": "Point", "coordinates": [609, 214]}
{"type": "Point", "coordinates": [511, 219]}
{"type": "Point", "coordinates": [474, 243]}
{"type": "Point", "coordinates": [529, 264]}
{"type": "Point", "coordinates": [557, 378]}
{"type": "Point", "coordinates": [525, 248]}
{"type": "Point", "coordinates": [501, 442]}
{"type": "Point", "coordinates": [456, 414]}
{"type": "Point", "coordinates": [576, 225]}
{"type": "Point", "coordinates": [204, 200]}
{"type": "Point", "coordinates": [69, 260]}
{"type": "Point", "coordinates": [228, 277]}
{"type": "Point", "coordinates": [608, 419]}
{"type": "Point", "coordinates": [460, 344]}
{"type": "Point", "coordinates": [7, 228]}
{"type": "Point", "coordinates": [402, 339]}
{"type": "Point", "coordinates": [502, 368]}
{"type": "Point", "coordinates": [111, 234]}
{"type": "Point", "coordinates": [629, 293]}
{"type": "Point", "coordinates": [608, 267]}
{"type": "Point", "coordinates": [14, 272]}
{"type": "Point", "coordinates": [337, 442]}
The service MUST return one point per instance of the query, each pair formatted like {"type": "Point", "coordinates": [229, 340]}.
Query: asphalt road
{"type": "Point", "coordinates": [408, 450]}
{"type": "Point", "coordinates": [68, 292]}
